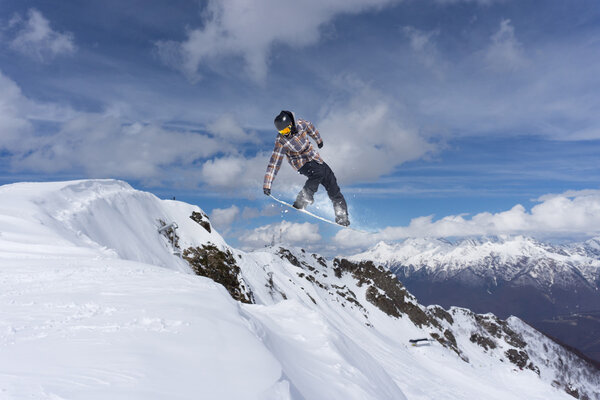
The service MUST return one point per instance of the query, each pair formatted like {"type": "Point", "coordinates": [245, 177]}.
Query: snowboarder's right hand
{"type": "Point", "coordinates": [320, 144]}
{"type": "Point", "coordinates": [267, 191]}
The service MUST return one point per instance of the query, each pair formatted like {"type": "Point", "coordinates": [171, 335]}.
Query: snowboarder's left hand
{"type": "Point", "coordinates": [267, 191]}
{"type": "Point", "coordinates": [320, 144]}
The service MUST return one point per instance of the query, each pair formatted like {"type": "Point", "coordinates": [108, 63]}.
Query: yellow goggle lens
{"type": "Point", "coordinates": [286, 130]}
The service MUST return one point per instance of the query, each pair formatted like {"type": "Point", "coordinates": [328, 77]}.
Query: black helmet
{"type": "Point", "coordinates": [284, 120]}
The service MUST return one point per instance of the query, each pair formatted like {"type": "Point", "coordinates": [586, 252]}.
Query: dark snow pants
{"type": "Point", "coordinates": [320, 174]}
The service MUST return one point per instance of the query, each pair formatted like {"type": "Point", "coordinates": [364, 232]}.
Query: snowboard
{"type": "Point", "coordinates": [315, 215]}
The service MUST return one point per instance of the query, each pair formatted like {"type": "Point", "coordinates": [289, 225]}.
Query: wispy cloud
{"type": "Point", "coordinates": [236, 29]}
{"type": "Point", "coordinates": [222, 218]}
{"type": "Point", "coordinates": [423, 45]}
{"type": "Point", "coordinates": [237, 173]}
{"type": "Point", "coordinates": [226, 220]}
{"type": "Point", "coordinates": [35, 37]}
{"type": "Point", "coordinates": [505, 52]}
{"type": "Point", "coordinates": [267, 211]}
{"type": "Point", "coordinates": [13, 121]}
{"type": "Point", "coordinates": [481, 2]}
{"type": "Point", "coordinates": [226, 127]}
{"type": "Point", "coordinates": [17, 113]}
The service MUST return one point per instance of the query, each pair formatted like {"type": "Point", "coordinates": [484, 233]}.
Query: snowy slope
{"type": "Point", "coordinates": [82, 318]}
{"type": "Point", "coordinates": [96, 305]}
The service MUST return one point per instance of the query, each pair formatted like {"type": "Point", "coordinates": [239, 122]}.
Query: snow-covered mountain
{"type": "Point", "coordinates": [520, 260]}
{"type": "Point", "coordinates": [101, 298]}
{"type": "Point", "coordinates": [545, 284]}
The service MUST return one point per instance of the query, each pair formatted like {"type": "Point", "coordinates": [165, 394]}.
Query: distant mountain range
{"type": "Point", "coordinates": [556, 288]}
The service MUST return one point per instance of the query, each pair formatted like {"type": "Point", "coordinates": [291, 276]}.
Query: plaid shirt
{"type": "Point", "coordinates": [297, 149]}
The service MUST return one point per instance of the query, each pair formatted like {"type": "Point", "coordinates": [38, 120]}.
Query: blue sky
{"type": "Point", "coordinates": [439, 117]}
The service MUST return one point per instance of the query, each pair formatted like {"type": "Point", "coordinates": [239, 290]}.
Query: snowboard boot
{"type": "Point", "coordinates": [303, 200]}
{"type": "Point", "coordinates": [341, 213]}
{"type": "Point", "coordinates": [342, 220]}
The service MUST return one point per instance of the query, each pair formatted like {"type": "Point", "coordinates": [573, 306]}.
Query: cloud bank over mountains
{"type": "Point", "coordinates": [568, 215]}
{"type": "Point", "coordinates": [572, 215]}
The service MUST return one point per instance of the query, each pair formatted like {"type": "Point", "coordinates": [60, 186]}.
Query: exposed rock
{"type": "Point", "coordinates": [287, 255]}
{"type": "Point", "coordinates": [202, 219]}
{"type": "Point", "coordinates": [385, 291]}
{"type": "Point", "coordinates": [440, 313]}
{"type": "Point", "coordinates": [483, 341]}
{"type": "Point", "coordinates": [521, 359]}
{"type": "Point", "coordinates": [500, 329]}
{"type": "Point", "coordinates": [221, 267]}
{"type": "Point", "coordinates": [320, 260]}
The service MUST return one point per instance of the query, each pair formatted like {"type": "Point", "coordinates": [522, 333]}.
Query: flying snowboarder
{"type": "Point", "coordinates": [292, 141]}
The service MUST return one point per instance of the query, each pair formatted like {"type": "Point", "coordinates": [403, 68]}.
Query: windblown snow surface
{"type": "Point", "coordinates": [95, 305]}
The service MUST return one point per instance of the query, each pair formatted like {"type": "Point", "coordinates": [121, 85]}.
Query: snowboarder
{"type": "Point", "coordinates": [292, 141]}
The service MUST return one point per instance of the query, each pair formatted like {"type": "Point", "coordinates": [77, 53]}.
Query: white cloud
{"type": "Point", "coordinates": [36, 39]}
{"type": "Point", "coordinates": [222, 218]}
{"type": "Point", "coordinates": [283, 232]}
{"type": "Point", "coordinates": [420, 40]}
{"type": "Point", "coordinates": [223, 172]}
{"type": "Point", "coordinates": [423, 45]}
{"type": "Point", "coordinates": [235, 173]}
{"type": "Point", "coordinates": [237, 28]}
{"type": "Point", "coordinates": [482, 2]}
{"type": "Point", "coordinates": [13, 123]}
{"type": "Point", "coordinates": [505, 52]}
{"type": "Point", "coordinates": [567, 194]}
{"type": "Point", "coordinates": [98, 144]}
{"type": "Point", "coordinates": [365, 138]}
{"type": "Point", "coordinates": [573, 213]}
{"type": "Point", "coordinates": [17, 113]}
{"type": "Point", "coordinates": [243, 175]}
{"type": "Point", "coordinates": [267, 211]}
{"type": "Point", "coordinates": [227, 128]}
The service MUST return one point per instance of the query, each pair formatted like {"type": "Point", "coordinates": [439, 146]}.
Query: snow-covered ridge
{"type": "Point", "coordinates": [106, 218]}
{"type": "Point", "coordinates": [95, 304]}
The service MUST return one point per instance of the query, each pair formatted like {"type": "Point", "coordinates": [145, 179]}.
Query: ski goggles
{"type": "Point", "coordinates": [286, 130]}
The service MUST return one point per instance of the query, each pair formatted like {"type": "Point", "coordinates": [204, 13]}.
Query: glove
{"type": "Point", "coordinates": [320, 144]}
{"type": "Point", "coordinates": [267, 191]}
